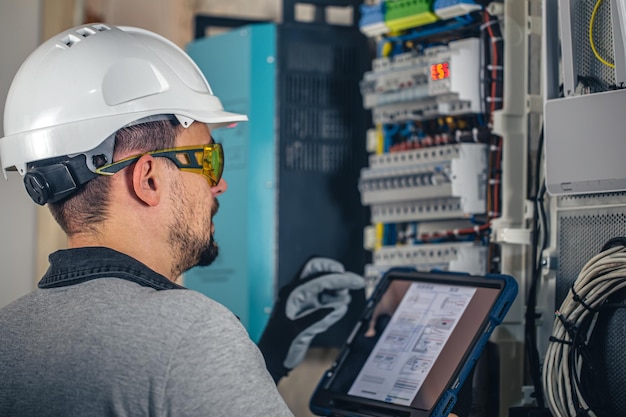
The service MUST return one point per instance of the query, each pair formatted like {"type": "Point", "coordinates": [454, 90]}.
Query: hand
{"type": "Point", "coordinates": [387, 305]}
{"type": "Point", "coordinates": [316, 299]}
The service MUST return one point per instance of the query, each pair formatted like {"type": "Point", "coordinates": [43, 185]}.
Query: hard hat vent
{"type": "Point", "coordinates": [83, 32]}
{"type": "Point", "coordinates": [69, 40]}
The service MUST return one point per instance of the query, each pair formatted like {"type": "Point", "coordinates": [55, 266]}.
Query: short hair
{"type": "Point", "coordinates": [88, 207]}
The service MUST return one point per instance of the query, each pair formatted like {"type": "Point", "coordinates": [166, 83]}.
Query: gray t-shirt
{"type": "Point", "coordinates": [111, 347]}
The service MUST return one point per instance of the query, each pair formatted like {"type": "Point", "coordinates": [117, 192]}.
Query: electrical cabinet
{"type": "Point", "coordinates": [431, 181]}
{"type": "Point", "coordinates": [446, 178]}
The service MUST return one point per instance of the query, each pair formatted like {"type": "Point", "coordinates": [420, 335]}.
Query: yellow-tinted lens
{"type": "Point", "coordinates": [213, 163]}
{"type": "Point", "coordinates": [207, 160]}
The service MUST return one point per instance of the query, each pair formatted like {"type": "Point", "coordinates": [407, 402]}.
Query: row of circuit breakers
{"type": "Point", "coordinates": [428, 185]}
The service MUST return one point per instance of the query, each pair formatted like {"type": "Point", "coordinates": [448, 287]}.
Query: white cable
{"type": "Point", "coordinates": [602, 275]}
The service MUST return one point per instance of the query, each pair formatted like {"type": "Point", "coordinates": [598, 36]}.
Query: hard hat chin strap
{"type": "Point", "coordinates": [54, 181]}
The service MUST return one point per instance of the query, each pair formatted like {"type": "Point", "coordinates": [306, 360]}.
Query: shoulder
{"type": "Point", "coordinates": [193, 308]}
{"type": "Point", "coordinates": [192, 300]}
{"type": "Point", "coordinates": [181, 313]}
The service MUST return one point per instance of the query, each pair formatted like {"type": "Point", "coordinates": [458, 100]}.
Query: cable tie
{"type": "Point", "coordinates": [489, 23]}
{"type": "Point", "coordinates": [574, 333]}
{"type": "Point", "coordinates": [569, 326]}
{"type": "Point", "coordinates": [496, 39]}
{"type": "Point", "coordinates": [495, 67]}
{"type": "Point", "coordinates": [577, 298]}
{"type": "Point", "coordinates": [582, 412]}
{"type": "Point", "coordinates": [561, 341]}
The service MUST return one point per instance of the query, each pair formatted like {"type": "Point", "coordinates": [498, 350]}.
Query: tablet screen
{"type": "Point", "coordinates": [410, 349]}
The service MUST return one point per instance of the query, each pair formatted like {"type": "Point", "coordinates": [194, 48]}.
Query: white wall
{"type": "Point", "coordinates": [19, 32]}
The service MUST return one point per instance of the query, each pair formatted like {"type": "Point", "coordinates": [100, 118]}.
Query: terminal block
{"type": "Point", "coordinates": [406, 14]}
{"type": "Point", "coordinates": [372, 22]}
{"type": "Point", "coordinates": [441, 80]}
{"type": "Point", "coordinates": [446, 105]}
{"type": "Point", "coordinates": [427, 209]}
{"type": "Point", "coordinates": [403, 78]}
{"type": "Point", "coordinates": [453, 256]}
{"type": "Point", "coordinates": [440, 182]}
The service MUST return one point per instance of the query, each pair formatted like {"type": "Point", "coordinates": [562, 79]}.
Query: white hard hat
{"type": "Point", "coordinates": [78, 88]}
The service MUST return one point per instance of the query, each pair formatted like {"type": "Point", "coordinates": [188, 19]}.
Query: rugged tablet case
{"type": "Point", "coordinates": [323, 401]}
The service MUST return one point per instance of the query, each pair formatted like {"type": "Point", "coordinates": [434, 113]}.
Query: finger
{"type": "Point", "coordinates": [308, 292]}
{"type": "Point", "coordinates": [320, 264]}
{"type": "Point", "coordinates": [336, 281]}
{"type": "Point", "coordinates": [371, 328]}
{"type": "Point", "coordinates": [310, 319]}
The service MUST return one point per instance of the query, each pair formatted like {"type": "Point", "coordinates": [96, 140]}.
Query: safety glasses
{"type": "Point", "coordinates": [207, 160]}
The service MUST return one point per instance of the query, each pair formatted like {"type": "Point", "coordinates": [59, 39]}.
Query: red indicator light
{"type": "Point", "coordinates": [439, 71]}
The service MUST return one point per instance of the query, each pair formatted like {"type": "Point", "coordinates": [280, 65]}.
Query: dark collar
{"type": "Point", "coordinates": [73, 266]}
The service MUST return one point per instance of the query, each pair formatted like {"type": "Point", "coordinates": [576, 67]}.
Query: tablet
{"type": "Point", "coordinates": [419, 337]}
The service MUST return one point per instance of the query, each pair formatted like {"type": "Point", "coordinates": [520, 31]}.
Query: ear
{"type": "Point", "coordinates": [147, 180]}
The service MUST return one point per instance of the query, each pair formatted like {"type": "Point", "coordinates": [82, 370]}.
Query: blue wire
{"type": "Point", "coordinates": [474, 221]}
{"type": "Point", "coordinates": [407, 130]}
{"type": "Point", "coordinates": [389, 234]}
{"type": "Point", "coordinates": [379, 48]}
{"type": "Point", "coordinates": [389, 131]}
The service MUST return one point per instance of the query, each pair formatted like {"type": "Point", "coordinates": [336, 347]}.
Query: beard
{"type": "Point", "coordinates": [195, 246]}
{"type": "Point", "coordinates": [209, 253]}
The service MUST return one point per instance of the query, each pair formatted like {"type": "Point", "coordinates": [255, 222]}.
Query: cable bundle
{"type": "Point", "coordinates": [566, 357]}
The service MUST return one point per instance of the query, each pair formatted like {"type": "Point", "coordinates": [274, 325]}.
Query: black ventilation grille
{"type": "Point", "coordinates": [581, 235]}
{"type": "Point", "coordinates": [321, 145]}
{"type": "Point", "coordinates": [320, 157]}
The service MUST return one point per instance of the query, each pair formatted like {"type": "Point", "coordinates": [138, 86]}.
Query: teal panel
{"type": "Point", "coordinates": [240, 67]}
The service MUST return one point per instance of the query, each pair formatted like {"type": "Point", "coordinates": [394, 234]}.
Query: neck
{"type": "Point", "coordinates": [150, 252]}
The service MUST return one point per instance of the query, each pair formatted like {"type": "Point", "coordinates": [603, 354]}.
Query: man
{"type": "Point", "coordinates": [111, 127]}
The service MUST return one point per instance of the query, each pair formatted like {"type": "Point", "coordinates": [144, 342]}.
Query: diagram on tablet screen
{"type": "Point", "coordinates": [410, 344]}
